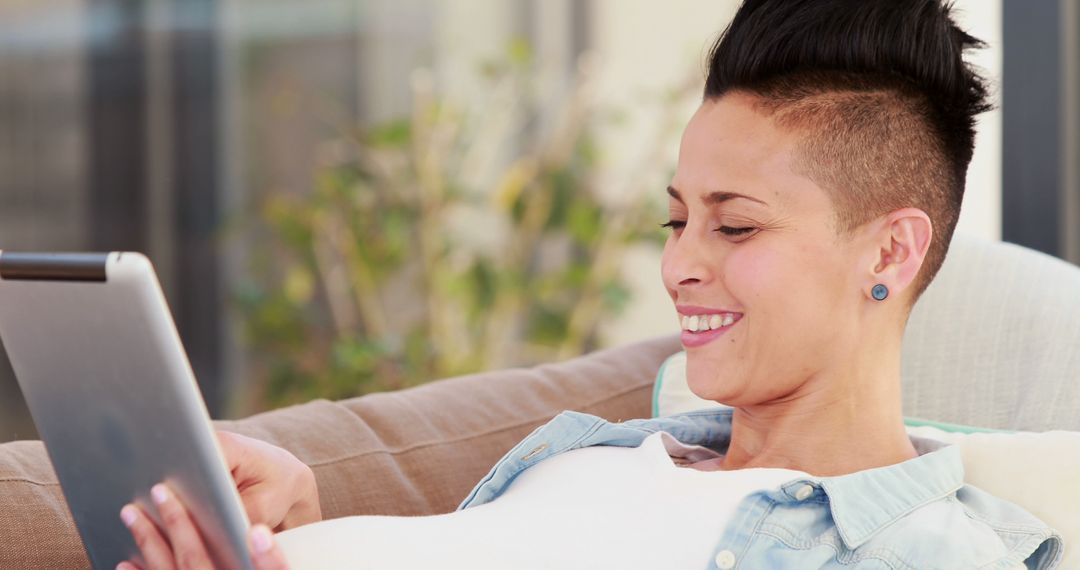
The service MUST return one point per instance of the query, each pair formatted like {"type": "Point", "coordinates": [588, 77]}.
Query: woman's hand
{"type": "Point", "coordinates": [181, 547]}
{"type": "Point", "coordinates": [277, 489]}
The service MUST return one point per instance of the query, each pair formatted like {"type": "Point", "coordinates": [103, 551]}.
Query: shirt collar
{"type": "Point", "coordinates": [861, 503]}
{"type": "Point", "coordinates": [864, 502]}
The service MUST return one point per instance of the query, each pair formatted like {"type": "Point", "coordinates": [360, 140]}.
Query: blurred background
{"type": "Point", "coordinates": [347, 196]}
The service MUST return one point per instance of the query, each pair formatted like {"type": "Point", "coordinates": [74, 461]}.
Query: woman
{"type": "Point", "coordinates": [817, 188]}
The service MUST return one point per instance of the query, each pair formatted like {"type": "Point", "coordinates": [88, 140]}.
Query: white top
{"type": "Point", "coordinates": [597, 507]}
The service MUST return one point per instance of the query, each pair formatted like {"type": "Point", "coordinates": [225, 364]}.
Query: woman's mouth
{"type": "Point", "coordinates": [705, 328]}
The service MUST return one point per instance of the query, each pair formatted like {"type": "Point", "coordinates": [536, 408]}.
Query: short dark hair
{"type": "Point", "coordinates": [881, 93]}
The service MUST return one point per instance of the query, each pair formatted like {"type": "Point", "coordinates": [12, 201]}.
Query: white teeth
{"type": "Point", "coordinates": [700, 323]}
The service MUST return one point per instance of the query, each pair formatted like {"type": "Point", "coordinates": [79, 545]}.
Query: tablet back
{"type": "Point", "coordinates": [100, 363]}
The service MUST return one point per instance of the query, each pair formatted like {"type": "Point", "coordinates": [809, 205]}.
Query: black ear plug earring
{"type": "Point", "coordinates": [879, 292]}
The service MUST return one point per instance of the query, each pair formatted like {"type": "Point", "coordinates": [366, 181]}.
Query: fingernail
{"type": "Point", "coordinates": [159, 493]}
{"type": "Point", "coordinates": [128, 515]}
{"type": "Point", "coordinates": [260, 539]}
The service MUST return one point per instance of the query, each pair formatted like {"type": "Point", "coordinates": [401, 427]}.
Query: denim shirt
{"type": "Point", "coordinates": [914, 515]}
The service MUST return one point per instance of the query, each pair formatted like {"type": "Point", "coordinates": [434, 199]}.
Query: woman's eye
{"type": "Point", "coordinates": [674, 224]}
{"type": "Point", "coordinates": [730, 231]}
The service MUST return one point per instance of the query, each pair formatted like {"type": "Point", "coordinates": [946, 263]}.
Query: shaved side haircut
{"type": "Point", "coordinates": [878, 91]}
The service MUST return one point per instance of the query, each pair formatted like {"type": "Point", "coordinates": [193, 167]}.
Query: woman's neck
{"type": "Point", "coordinates": [838, 422]}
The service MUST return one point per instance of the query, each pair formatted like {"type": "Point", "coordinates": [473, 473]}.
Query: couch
{"type": "Point", "coordinates": [991, 343]}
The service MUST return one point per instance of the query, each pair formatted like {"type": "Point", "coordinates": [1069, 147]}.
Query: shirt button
{"type": "Point", "coordinates": [804, 492]}
{"type": "Point", "coordinates": [725, 560]}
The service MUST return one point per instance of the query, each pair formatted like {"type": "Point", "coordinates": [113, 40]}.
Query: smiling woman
{"type": "Point", "coordinates": [817, 326]}
{"type": "Point", "coordinates": [824, 167]}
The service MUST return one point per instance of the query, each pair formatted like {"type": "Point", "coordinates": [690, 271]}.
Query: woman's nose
{"type": "Point", "coordinates": [685, 264]}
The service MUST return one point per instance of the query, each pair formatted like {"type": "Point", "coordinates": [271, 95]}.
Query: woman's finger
{"type": "Point", "coordinates": [155, 550]}
{"type": "Point", "coordinates": [264, 551]}
{"type": "Point", "coordinates": [188, 548]}
{"type": "Point", "coordinates": [261, 506]}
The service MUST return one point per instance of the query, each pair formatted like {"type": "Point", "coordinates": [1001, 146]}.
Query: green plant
{"type": "Point", "coordinates": [405, 264]}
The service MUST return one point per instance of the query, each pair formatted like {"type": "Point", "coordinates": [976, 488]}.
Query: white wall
{"type": "Point", "coordinates": [645, 47]}
{"type": "Point", "coordinates": [981, 212]}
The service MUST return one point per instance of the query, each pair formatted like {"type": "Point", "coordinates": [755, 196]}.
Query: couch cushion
{"type": "Point", "coordinates": [993, 340]}
{"type": "Point", "coordinates": [412, 452]}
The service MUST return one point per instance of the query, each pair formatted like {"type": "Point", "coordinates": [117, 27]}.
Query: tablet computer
{"type": "Point", "coordinates": [108, 384]}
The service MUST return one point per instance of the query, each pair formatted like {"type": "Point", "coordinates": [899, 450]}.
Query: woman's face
{"type": "Point", "coordinates": [754, 257]}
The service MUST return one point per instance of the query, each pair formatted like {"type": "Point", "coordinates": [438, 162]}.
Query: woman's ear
{"type": "Point", "coordinates": [902, 241]}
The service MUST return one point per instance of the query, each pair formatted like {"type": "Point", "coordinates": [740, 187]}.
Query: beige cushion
{"type": "Point", "coordinates": [993, 341]}
{"type": "Point", "coordinates": [412, 452]}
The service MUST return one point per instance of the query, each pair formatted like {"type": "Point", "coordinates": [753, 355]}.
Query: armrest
{"type": "Point", "coordinates": [36, 530]}
{"type": "Point", "coordinates": [412, 452]}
